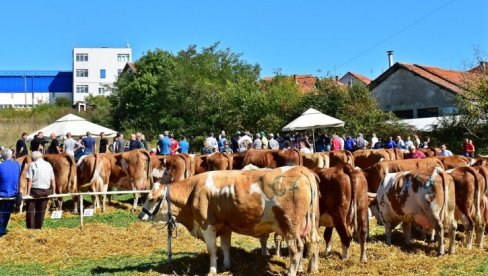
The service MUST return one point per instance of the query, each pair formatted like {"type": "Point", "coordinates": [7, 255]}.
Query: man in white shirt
{"type": "Point", "coordinates": [272, 143]}
{"type": "Point", "coordinates": [244, 141]}
{"type": "Point", "coordinates": [445, 151]}
{"type": "Point", "coordinates": [40, 183]}
{"type": "Point", "coordinates": [374, 140]}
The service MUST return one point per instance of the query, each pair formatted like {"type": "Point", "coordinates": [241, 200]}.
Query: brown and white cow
{"type": "Point", "coordinates": [340, 157]}
{"type": "Point", "coordinates": [425, 197]}
{"type": "Point", "coordinates": [344, 206]}
{"type": "Point", "coordinates": [455, 161]}
{"type": "Point", "coordinates": [64, 168]}
{"type": "Point", "coordinates": [255, 203]}
{"type": "Point", "coordinates": [130, 170]}
{"type": "Point", "coordinates": [368, 157]}
{"type": "Point", "coordinates": [317, 160]}
{"type": "Point", "coordinates": [271, 158]}
{"type": "Point", "coordinates": [170, 168]}
{"type": "Point", "coordinates": [376, 173]}
{"type": "Point", "coordinates": [470, 187]}
{"type": "Point", "coordinates": [220, 161]}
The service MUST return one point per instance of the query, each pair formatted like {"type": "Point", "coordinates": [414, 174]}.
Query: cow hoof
{"type": "Point", "coordinates": [364, 260]}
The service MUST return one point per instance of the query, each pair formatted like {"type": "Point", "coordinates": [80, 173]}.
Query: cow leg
{"type": "Point", "coordinates": [363, 231]}
{"type": "Point", "coordinates": [345, 236]}
{"type": "Point", "coordinates": [278, 239]}
{"type": "Point", "coordinates": [469, 225]}
{"type": "Point", "coordinates": [452, 235]}
{"type": "Point", "coordinates": [407, 230]}
{"type": "Point", "coordinates": [327, 237]}
{"type": "Point", "coordinates": [480, 233]}
{"type": "Point", "coordinates": [263, 240]}
{"type": "Point", "coordinates": [313, 252]}
{"type": "Point", "coordinates": [225, 242]}
{"type": "Point", "coordinates": [439, 229]}
{"type": "Point", "coordinates": [104, 197]}
{"type": "Point", "coordinates": [76, 200]}
{"type": "Point", "coordinates": [136, 200]}
{"type": "Point", "coordinates": [295, 248]}
{"type": "Point", "coordinates": [210, 237]}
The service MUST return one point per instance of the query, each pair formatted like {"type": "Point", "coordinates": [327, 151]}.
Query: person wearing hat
{"type": "Point", "coordinates": [272, 143]}
{"type": "Point", "coordinates": [89, 143]}
{"type": "Point", "coordinates": [9, 183]}
{"type": "Point", "coordinates": [40, 183]}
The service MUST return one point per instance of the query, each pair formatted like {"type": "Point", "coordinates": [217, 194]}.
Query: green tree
{"type": "Point", "coordinates": [193, 92]}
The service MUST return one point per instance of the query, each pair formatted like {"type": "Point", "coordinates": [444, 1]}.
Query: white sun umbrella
{"type": "Point", "coordinates": [74, 124]}
{"type": "Point", "coordinates": [312, 119]}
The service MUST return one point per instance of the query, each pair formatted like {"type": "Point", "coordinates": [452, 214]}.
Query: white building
{"type": "Point", "coordinates": [96, 69]}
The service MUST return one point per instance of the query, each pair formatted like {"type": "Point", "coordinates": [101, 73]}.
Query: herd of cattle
{"type": "Point", "coordinates": [259, 192]}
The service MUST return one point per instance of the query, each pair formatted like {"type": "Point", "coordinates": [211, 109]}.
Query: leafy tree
{"type": "Point", "coordinates": [100, 110]}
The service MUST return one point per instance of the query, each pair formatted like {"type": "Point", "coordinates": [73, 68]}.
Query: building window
{"type": "Point", "coordinates": [102, 73]}
{"type": "Point", "coordinates": [82, 73]}
{"type": "Point", "coordinates": [82, 57]}
{"type": "Point", "coordinates": [404, 114]}
{"type": "Point", "coordinates": [82, 89]}
{"type": "Point", "coordinates": [448, 110]}
{"type": "Point", "coordinates": [427, 112]}
{"type": "Point", "coordinates": [101, 90]}
{"type": "Point", "coordinates": [123, 57]}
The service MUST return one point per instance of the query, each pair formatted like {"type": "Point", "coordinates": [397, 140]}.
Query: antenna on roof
{"type": "Point", "coordinates": [127, 45]}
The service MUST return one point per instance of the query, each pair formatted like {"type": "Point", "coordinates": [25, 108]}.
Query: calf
{"type": "Point", "coordinates": [254, 203]}
{"type": "Point", "coordinates": [424, 196]}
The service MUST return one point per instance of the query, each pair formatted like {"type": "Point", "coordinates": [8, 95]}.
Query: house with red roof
{"type": "Point", "coordinates": [351, 78]}
{"type": "Point", "coordinates": [419, 91]}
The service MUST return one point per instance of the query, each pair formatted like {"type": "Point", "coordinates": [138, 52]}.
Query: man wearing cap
{"type": "Point", "coordinates": [264, 140]}
{"type": "Point", "coordinates": [40, 183]}
{"type": "Point", "coordinates": [272, 143]}
{"type": "Point", "coordinates": [89, 143]}
{"type": "Point", "coordinates": [9, 183]}
{"type": "Point", "coordinates": [414, 153]}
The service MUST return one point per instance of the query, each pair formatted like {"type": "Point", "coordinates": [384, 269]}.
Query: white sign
{"type": "Point", "coordinates": [88, 213]}
{"type": "Point", "coordinates": [56, 214]}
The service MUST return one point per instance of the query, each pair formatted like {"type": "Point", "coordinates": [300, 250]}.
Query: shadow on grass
{"type": "Point", "coordinates": [187, 263]}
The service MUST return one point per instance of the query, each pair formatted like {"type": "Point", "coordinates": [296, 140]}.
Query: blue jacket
{"type": "Point", "coordinates": [9, 178]}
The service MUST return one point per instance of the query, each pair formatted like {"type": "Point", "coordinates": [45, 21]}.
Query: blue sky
{"type": "Point", "coordinates": [296, 37]}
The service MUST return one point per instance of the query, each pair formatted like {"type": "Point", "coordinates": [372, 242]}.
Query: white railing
{"type": "Point", "coordinates": [27, 197]}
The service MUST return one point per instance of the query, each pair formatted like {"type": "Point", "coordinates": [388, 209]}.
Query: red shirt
{"type": "Point", "coordinates": [469, 147]}
{"type": "Point", "coordinates": [174, 146]}
{"type": "Point", "coordinates": [336, 144]}
{"type": "Point", "coordinates": [416, 155]}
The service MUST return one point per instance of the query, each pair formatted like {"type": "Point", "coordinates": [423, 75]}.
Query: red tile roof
{"type": "Point", "coordinates": [306, 83]}
{"type": "Point", "coordinates": [360, 77]}
{"type": "Point", "coordinates": [449, 79]}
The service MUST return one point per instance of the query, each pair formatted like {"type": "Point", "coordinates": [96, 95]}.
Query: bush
{"type": "Point", "coordinates": [62, 102]}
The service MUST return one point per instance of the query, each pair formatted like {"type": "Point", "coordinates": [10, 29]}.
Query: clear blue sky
{"type": "Point", "coordinates": [297, 37]}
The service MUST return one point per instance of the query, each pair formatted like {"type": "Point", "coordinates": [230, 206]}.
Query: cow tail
{"type": "Point", "coordinates": [476, 194]}
{"type": "Point", "coordinates": [72, 178]}
{"type": "Point", "coordinates": [313, 211]}
{"type": "Point", "coordinates": [149, 169]}
{"type": "Point", "coordinates": [353, 179]}
{"type": "Point", "coordinates": [445, 188]}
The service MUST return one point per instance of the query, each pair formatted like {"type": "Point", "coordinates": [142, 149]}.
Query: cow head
{"type": "Point", "coordinates": [153, 203]}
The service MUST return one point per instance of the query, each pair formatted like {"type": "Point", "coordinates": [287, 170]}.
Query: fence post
{"type": "Point", "coordinates": [81, 210]}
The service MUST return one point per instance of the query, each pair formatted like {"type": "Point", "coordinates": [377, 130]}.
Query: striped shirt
{"type": "Point", "coordinates": [41, 173]}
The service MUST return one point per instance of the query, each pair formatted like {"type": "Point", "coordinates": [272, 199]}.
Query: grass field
{"type": "Point", "coordinates": [116, 243]}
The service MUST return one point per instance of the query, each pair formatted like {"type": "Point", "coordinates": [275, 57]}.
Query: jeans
{"type": "Point", "coordinates": [6, 208]}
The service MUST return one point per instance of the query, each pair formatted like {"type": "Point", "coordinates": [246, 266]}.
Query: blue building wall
{"type": "Point", "coordinates": [36, 81]}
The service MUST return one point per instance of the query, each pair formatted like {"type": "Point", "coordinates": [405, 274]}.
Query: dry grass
{"type": "Point", "coordinates": [66, 247]}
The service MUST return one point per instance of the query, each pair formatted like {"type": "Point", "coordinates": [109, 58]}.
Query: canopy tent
{"type": "Point", "coordinates": [74, 124]}
{"type": "Point", "coordinates": [312, 119]}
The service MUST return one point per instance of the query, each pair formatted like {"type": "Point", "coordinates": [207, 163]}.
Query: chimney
{"type": "Point", "coordinates": [483, 66]}
{"type": "Point", "coordinates": [337, 78]}
{"type": "Point", "coordinates": [390, 57]}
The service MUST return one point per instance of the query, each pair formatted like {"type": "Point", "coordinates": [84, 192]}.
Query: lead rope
{"type": "Point", "coordinates": [171, 226]}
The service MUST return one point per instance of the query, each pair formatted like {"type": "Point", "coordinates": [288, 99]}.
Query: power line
{"type": "Point", "coordinates": [396, 33]}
